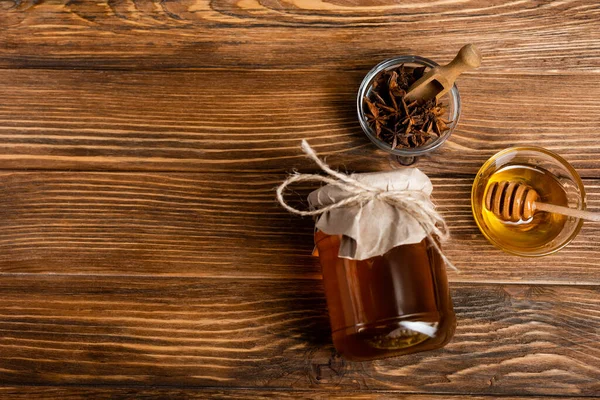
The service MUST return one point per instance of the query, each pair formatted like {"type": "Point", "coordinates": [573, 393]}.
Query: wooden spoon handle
{"type": "Point", "coordinates": [569, 212]}
{"type": "Point", "coordinates": [467, 58]}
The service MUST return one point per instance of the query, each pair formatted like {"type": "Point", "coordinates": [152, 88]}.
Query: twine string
{"type": "Point", "coordinates": [414, 203]}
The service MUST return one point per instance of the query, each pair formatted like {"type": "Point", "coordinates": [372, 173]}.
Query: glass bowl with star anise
{"type": "Point", "coordinates": [404, 129]}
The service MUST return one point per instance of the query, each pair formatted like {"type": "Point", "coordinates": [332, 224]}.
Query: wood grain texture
{"type": "Point", "coordinates": [171, 272]}
{"type": "Point", "coordinates": [526, 35]}
{"type": "Point", "coordinates": [510, 340]}
{"type": "Point", "coordinates": [78, 392]}
{"type": "Point", "coordinates": [254, 121]}
{"type": "Point", "coordinates": [218, 225]}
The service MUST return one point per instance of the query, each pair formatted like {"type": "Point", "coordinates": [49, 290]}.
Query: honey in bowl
{"type": "Point", "coordinates": [538, 230]}
{"type": "Point", "coordinates": [541, 171]}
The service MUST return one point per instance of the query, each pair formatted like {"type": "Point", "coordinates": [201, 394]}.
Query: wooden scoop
{"type": "Point", "coordinates": [439, 80]}
{"type": "Point", "coordinates": [515, 201]}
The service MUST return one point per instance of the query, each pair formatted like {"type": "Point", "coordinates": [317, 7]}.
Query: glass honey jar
{"type": "Point", "coordinates": [389, 305]}
{"type": "Point", "coordinates": [378, 238]}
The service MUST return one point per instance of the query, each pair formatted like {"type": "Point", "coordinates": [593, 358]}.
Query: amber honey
{"type": "Point", "coordinates": [543, 227]}
{"type": "Point", "coordinates": [554, 180]}
{"type": "Point", "coordinates": [369, 299]}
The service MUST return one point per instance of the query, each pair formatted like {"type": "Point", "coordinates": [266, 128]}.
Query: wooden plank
{"type": "Point", "coordinates": [78, 392]}
{"type": "Point", "coordinates": [217, 225]}
{"type": "Point", "coordinates": [255, 120]}
{"type": "Point", "coordinates": [510, 340]}
{"type": "Point", "coordinates": [523, 36]}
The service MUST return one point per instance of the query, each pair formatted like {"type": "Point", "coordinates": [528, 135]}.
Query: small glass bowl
{"type": "Point", "coordinates": [538, 158]}
{"type": "Point", "coordinates": [408, 155]}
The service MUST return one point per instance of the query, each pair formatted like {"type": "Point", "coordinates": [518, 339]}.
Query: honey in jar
{"type": "Point", "coordinates": [389, 305]}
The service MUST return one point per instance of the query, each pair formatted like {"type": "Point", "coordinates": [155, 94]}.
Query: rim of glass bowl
{"type": "Point", "coordinates": [534, 149]}
{"type": "Point", "coordinates": [366, 84]}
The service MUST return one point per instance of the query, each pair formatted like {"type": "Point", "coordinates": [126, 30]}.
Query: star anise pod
{"type": "Point", "coordinates": [393, 111]}
{"type": "Point", "coordinates": [375, 119]}
{"type": "Point", "coordinates": [404, 81]}
{"type": "Point", "coordinates": [395, 89]}
{"type": "Point", "coordinates": [436, 122]}
{"type": "Point", "coordinates": [398, 134]}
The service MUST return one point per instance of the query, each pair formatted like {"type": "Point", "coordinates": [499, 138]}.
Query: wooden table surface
{"type": "Point", "coordinates": [142, 252]}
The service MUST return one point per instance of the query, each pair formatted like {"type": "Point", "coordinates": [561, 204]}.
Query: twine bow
{"type": "Point", "coordinates": [415, 203]}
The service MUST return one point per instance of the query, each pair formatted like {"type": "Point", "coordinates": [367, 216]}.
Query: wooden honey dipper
{"type": "Point", "coordinates": [513, 201]}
